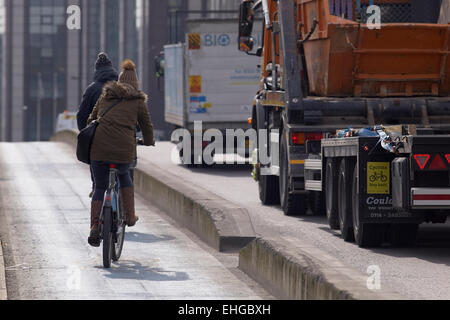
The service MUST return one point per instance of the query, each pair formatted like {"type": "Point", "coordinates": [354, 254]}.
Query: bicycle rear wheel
{"type": "Point", "coordinates": [120, 235]}
{"type": "Point", "coordinates": [118, 246]}
{"type": "Point", "coordinates": [107, 237]}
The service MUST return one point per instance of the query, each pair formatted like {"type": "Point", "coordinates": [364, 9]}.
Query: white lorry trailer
{"type": "Point", "coordinates": [207, 81]}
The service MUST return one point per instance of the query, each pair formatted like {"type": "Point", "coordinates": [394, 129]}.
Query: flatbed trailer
{"type": "Point", "coordinates": [375, 196]}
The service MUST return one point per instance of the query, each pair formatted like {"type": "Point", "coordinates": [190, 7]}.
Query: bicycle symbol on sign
{"type": "Point", "coordinates": [378, 177]}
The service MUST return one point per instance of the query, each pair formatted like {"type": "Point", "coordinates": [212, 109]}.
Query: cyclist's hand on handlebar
{"type": "Point", "coordinates": [140, 142]}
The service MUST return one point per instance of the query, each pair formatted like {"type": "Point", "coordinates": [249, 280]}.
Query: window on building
{"type": "Point", "coordinates": [45, 61]}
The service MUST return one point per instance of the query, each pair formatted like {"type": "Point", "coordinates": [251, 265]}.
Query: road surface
{"type": "Point", "coordinates": [422, 272]}
{"type": "Point", "coordinates": [44, 225]}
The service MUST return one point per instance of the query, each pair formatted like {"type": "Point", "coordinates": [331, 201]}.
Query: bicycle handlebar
{"type": "Point", "coordinates": [140, 142]}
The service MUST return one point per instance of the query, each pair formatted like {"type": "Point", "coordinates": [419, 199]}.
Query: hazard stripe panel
{"type": "Point", "coordinates": [430, 197]}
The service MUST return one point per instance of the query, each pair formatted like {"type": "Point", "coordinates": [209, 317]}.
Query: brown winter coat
{"type": "Point", "coordinates": [114, 139]}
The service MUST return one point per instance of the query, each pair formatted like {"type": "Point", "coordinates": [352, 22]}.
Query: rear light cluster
{"type": "Point", "coordinates": [300, 138]}
{"type": "Point", "coordinates": [437, 162]}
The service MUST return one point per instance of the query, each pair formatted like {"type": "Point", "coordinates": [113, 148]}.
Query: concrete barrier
{"type": "Point", "coordinates": [293, 271]}
{"type": "Point", "coordinates": [222, 225]}
{"type": "Point", "coordinates": [284, 267]}
{"type": "Point", "coordinates": [66, 136]}
{"type": "Point", "coordinates": [3, 293]}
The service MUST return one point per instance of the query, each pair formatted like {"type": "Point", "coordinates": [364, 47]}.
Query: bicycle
{"type": "Point", "coordinates": [112, 218]}
{"type": "Point", "coordinates": [112, 221]}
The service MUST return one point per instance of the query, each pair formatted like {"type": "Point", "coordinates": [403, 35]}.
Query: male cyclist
{"type": "Point", "coordinates": [104, 72]}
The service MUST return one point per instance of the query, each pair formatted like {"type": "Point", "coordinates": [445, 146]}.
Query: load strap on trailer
{"type": "Point", "coordinates": [392, 138]}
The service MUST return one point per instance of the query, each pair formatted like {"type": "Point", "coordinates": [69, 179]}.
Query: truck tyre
{"type": "Point", "coordinates": [404, 235]}
{"type": "Point", "coordinates": [331, 194]}
{"type": "Point", "coordinates": [268, 186]}
{"type": "Point", "coordinates": [269, 193]}
{"type": "Point", "coordinates": [344, 199]}
{"type": "Point", "coordinates": [366, 235]}
{"type": "Point", "coordinates": [292, 204]}
{"type": "Point", "coordinates": [316, 203]}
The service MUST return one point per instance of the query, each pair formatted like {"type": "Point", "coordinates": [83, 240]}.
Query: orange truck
{"type": "Point", "coordinates": [354, 100]}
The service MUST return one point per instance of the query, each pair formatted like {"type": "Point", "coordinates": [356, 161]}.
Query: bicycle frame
{"type": "Point", "coordinates": [112, 193]}
{"type": "Point", "coordinates": [112, 219]}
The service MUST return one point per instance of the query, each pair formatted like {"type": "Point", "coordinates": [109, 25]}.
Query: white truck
{"type": "Point", "coordinates": [207, 80]}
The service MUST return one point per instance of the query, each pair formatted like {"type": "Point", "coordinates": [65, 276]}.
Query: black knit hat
{"type": "Point", "coordinates": [102, 61]}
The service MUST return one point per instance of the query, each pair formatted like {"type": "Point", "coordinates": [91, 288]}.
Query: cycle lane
{"type": "Point", "coordinates": [45, 221]}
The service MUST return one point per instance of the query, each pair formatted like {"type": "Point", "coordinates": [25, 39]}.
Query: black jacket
{"type": "Point", "coordinates": [92, 94]}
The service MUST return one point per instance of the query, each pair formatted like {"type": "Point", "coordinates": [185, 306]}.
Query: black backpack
{"type": "Point", "coordinates": [86, 137]}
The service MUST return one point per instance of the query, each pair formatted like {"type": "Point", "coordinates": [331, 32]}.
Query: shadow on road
{"type": "Point", "coordinates": [227, 170]}
{"type": "Point", "coordinates": [433, 244]}
{"type": "Point", "coordinates": [135, 270]}
{"type": "Point", "coordinates": [433, 241]}
{"type": "Point", "coordinates": [146, 238]}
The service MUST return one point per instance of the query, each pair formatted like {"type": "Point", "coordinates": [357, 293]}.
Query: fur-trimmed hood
{"type": "Point", "coordinates": [115, 90]}
{"type": "Point", "coordinates": [115, 140]}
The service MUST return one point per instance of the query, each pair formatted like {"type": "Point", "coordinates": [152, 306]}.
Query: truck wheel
{"type": "Point", "coordinates": [316, 203]}
{"type": "Point", "coordinates": [292, 204]}
{"type": "Point", "coordinates": [268, 190]}
{"type": "Point", "coordinates": [404, 235]}
{"type": "Point", "coordinates": [344, 200]}
{"type": "Point", "coordinates": [331, 194]}
{"type": "Point", "coordinates": [366, 235]}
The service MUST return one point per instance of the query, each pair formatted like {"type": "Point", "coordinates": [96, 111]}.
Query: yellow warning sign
{"type": "Point", "coordinates": [194, 41]}
{"type": "Point", "coordinates": [195, 84]}
{"type": "Point", "coordinates": [378, 177]}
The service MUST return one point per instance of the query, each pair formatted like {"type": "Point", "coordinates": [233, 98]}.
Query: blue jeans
{"type": "Point", "coordinates": [100, 171]}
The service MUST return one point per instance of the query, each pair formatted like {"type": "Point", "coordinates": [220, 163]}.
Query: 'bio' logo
{"type": "Point", "coordinates": [214, 40]}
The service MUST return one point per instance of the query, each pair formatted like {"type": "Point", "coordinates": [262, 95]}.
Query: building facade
{"type": "Point", "coordinates": [13, 98]}
{"type": "Point", "coordinates": [2, 30]}
{"type": "Point", "coordinates": [46, 66]}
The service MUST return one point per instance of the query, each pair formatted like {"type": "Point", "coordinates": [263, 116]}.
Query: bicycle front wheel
{"type": "Point", "coordinates": [107, 237]}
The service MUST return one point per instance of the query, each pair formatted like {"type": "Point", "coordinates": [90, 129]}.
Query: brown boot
{"type": "Point", "coordinates": [128, 205]}
{"type": "Point", "coordinates": [94, 237]}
